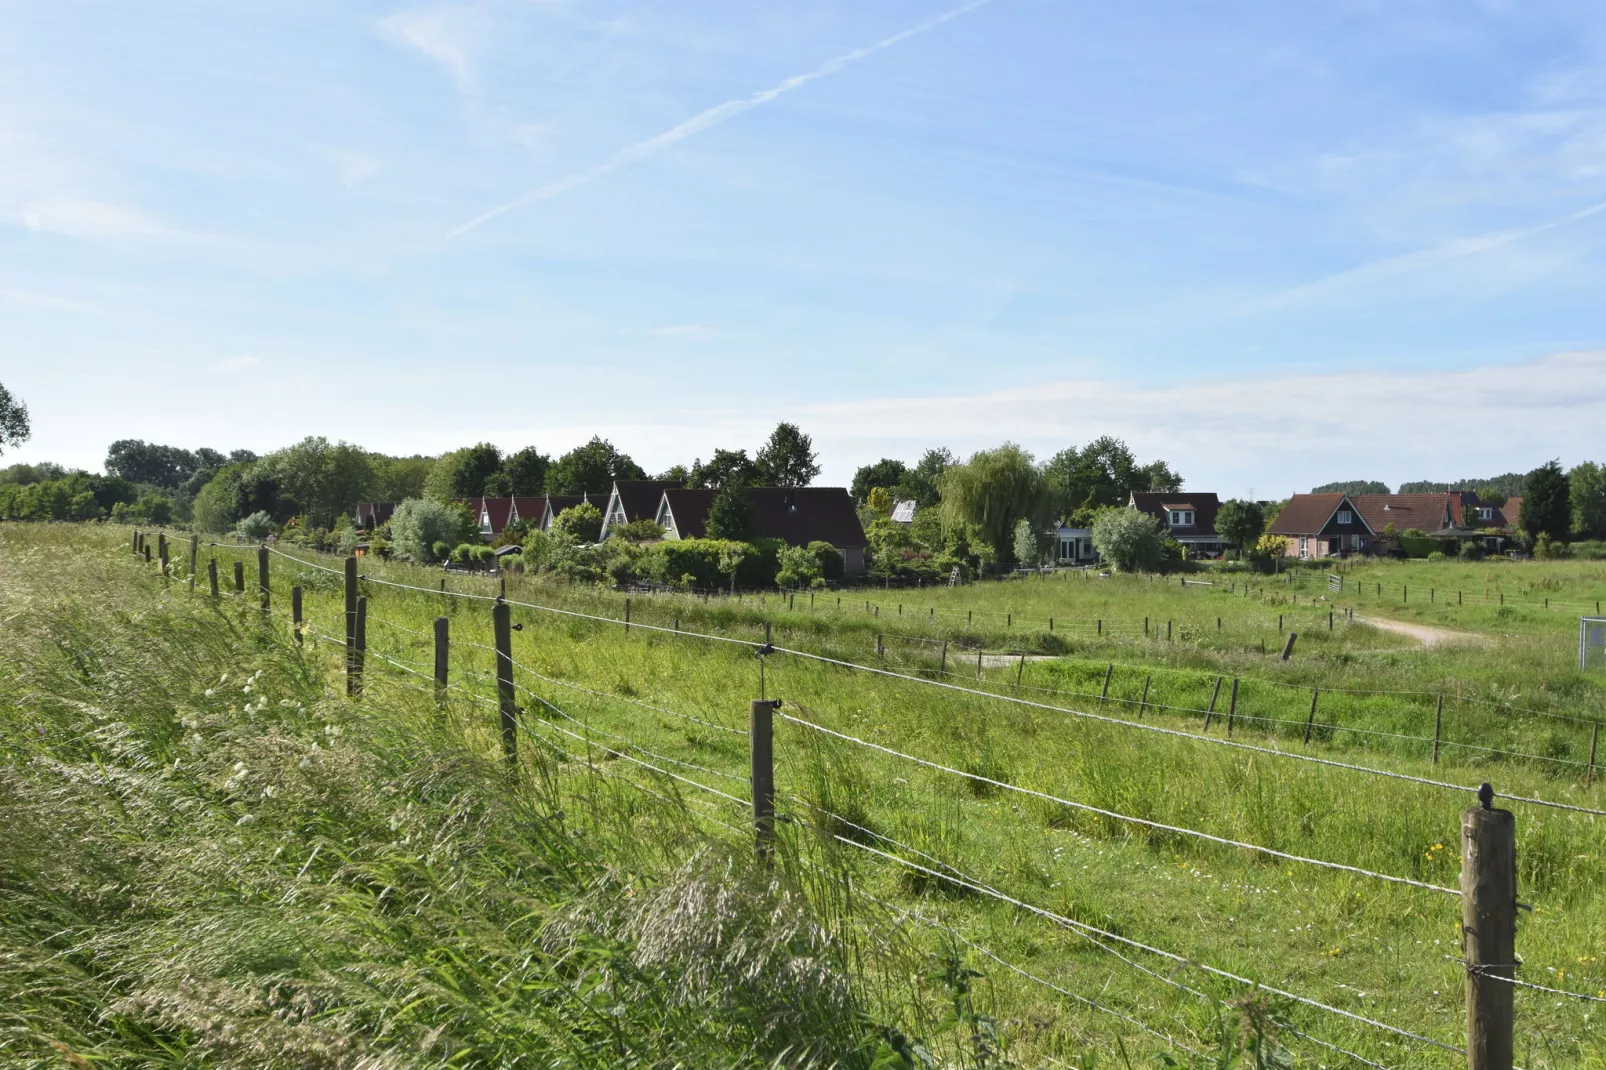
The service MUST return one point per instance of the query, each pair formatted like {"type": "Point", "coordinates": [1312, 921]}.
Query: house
{"type": "Point", "coordinates": [1329, 525]}
{"type": "Point", "coordinates": [495, 515]}
{"type": "Point", "coordinates": [529, 510]}
{"type": "Point", "coordinates": [632, 500]}
{"type": "Point", "coordinates": [1074, 546]}
{"type": "Point", "coordinates": [371, 515]}
{"type": "Point", "coordinates": [796, 516]}
{"type": "Point", "coordinates": [1189, 518]}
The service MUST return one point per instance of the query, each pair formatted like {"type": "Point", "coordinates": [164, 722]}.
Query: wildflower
{"type": "Point", "coordinates": [210, 692]}
{"type": "Point", "coordinates": [248, 819]}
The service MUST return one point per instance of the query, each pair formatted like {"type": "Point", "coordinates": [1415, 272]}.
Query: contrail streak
{"type": "Point", "coordinates": [719, 113]}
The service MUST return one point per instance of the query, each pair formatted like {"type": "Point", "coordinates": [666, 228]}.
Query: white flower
{"type": "Point", "coordinates": [210, 692]}
{"type": "Point", "coordinates": [248, 819]}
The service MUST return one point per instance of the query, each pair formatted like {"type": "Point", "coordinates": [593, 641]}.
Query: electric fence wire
{"type": "Point", "coordinates": [1483, 971]}
{"type": "Point", "coordinates": [855, 666]}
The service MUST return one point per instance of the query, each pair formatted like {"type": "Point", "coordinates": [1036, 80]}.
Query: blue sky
{"type": "Point", "coordinates": [1275, 244]}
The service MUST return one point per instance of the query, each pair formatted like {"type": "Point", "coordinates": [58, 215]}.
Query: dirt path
{"type": "Point", "coordinates": [1426, 634]}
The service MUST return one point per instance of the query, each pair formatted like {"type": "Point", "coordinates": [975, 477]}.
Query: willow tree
{"type": "Point", "coordinates": [994, 491]}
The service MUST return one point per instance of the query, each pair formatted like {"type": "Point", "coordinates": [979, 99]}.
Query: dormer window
{"type": "Point", "coordinates": [1485, 512]}
{"type": "Point", "coordinates": [1181, 518]}
{"type": "Point", "coordinates": [1345, 516]}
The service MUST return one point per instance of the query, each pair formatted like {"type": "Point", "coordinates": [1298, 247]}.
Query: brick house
{"type": "Point", "coordinates": [1329, 525]}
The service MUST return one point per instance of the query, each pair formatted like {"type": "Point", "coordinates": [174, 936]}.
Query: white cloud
{"type": "Point", "coordinates": [91, 219]}
{"type": "Point", "coordinates": [243, 362]}
{"type": "Point", "coordinates": [449, 34]}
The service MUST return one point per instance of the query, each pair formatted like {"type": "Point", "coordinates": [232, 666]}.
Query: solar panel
{"type": "Point", "coordinates": [904, 512]}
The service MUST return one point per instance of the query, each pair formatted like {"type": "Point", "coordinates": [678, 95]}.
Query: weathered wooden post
{"type": "Point", "coordinates": [239, 577]}
{"type": "Point", "coordinates": [1594, 742]}
{"type": "Point", "coordinates": [1168, 631]}
{"type": "Point", "coordinates": [1438, 726]}
{"type": "Point", "coordinates": [627, 617]}
{"type": "Point", "coordinates": [1232, 706]}
{"type": "Point", "coordinates": [1051, 624]}
{"type": "Point", "coordinates": [1210, 710]}
{"type": "Point", "coordinates": [195, 553]}
{"type": "Point", "coordinates": [502, 621]}
{"type": "Point", "coordinates": [1020, 669]}
{"type": "Point", "coordinates": [1310, 721]}
{"type": "Point", "coordinates": [146, 547]}
{"type": "Point", "coordinates": [211, 577]}
{"type": "Point", "coordinates": [1100, 626]}
{"type": "Point", "coordinates": [161, 552]}
{"type": "Point", "coordinates": [351, 624]}
{"type": "Point", "coordinates": [1489, 930]}
{"type": "Point", "coordinates": [262, 578]}
{"type": "Point", "coordinates": [295, 612]}
{"type": "Point", "coordinates": [761, 764]}
{"type": "Point", "coordinates": [880, 646]}
{"type": "Point", "coordinates": [978, 663]}
{"type": "Point", "coordinates": [1288, 647]}
{"type": "Point", "coordinates": [1143, 703]}
{"type": "Point", "coordinates": [443, 654]}
{"type": "Point", "coordinates": [359, 646]}
{"type": "Point", "coordinates": [943, 668]}
{"type": "Point", "coordinates": [1104, 693]}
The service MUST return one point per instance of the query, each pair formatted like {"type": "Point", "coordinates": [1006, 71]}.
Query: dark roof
{"type": "Point", "coordinates": [559, 502]}
{"type": "Point", "coordinates": [1513, 512]}
{"type": "Point", "coordinates": [379, 512]}
{"type": "Point", "coordinates": [690, 510]}
{"type": "Point", "coordinates": [510, 548]}
{"type": "Point", "coordinates": [1158, 505]}
{"type": "Point", "coordinates": [801, 515]}
{"type": "Point", "coordinates": [499, 510]}
{"type": "Point", "coordinates": [1305, 514]}
{"type": "Point", "coordinates": [530, 509]}
{"type": "Point", "coordinates": [1426, 512]}
{"type": "Point", "coordinates": [640, 497]}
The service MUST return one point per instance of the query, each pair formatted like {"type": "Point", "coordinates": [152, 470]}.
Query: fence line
{"type": "Point", "coordinates": [755, 646]}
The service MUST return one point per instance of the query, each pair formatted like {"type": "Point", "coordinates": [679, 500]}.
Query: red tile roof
{"type": "Point", "coordinates": [498, 510]}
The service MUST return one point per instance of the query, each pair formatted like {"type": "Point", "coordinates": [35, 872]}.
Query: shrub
{"type": "Point", "coordinates": [425, 531]}
{"type": "Point", "coordinates": [578, 523]}
{"type": "Point", "coordinates": [1127, 539]}
{"type": "Point", "coordinates": [799, 568]}
{"type": "Point", "coordinates": [832, 565]}
{"type": "Point", "coordinates": [537, 551]}
{"type": "Point", "coordinates": [258, 525]}
{"type": "Point", "coordinates": [580, 562]}
{"type": "Point", "coordinates": [1437, 555]}
{"type": "Point", "coordinates": [639, 531]}
{"type": "Point", "coordinates": [707, 562]}
{"type": "Point", "coordinates": [622, 560]}
{"type": "Point", "coordinates": [1472, 551]}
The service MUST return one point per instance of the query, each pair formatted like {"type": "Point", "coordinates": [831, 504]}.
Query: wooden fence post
{"type": "Point", "coordinates": [295, 612]}
{"type": "Point", "coordinates": [1438, 727]}
{"type": "Point", "coordinates": [1310, 721]}
{"type": "Point", "coordinates": [502, 621]}
{"type": "Point", "coordinates": [978, 663]}
{"type": "Point", "coordinates": [146, 547]}
{"type": "Point", "coordinates": [761, 767]}
{"type": "Point", "coordinates": [1232, 706]}
{"type": "Point", "coordinates": [1168, 631]}
{"type": "Point", "coordinates": [1100, 626]}
{"type": "Point", "coordinates": [1210, 710]}
{"type": "Point", "coordinates": [262, 578]}
{"type": "Point", "coordinates": [134, 541]}
{"type": "Point", "coordinates": [1594, 742]}
{"type": "Point", "coordinates": [944, 667]}
{"type": "Point", "coordinates": [1288, 647]}
{"type": "Point", "coordinates": [351, 624]}
{"type": "Point", "coordinates": [627, 618]}
{"type": "Point", "coordinates": [880, 646]}
{"type": "Point", "coordinates": [161, 552]}
{"type": "Point", "coordinates": [1489, 930]}
{"type": "Point", "coordinates": [195, 552]}
{"type": "Point", "coordinates": [1020, 670]}
{"type": "Point", "coordinates": [443, 655]}
{"type": "Point", "coordinates": [359, 647]}
{"type": "Point", "coordinates": [211, 577]}
{"type": "Point", "coordinates": [1143, 704]}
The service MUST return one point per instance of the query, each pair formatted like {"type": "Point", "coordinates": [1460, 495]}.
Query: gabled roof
{"type": "Point", "coordinates": [640, 497]}
{"type": "Point", "coordinates": [498, 511]}
{"type": "Point", "coordinates": [1306, 514]}
{"type": "Point", "coordinates": [1513, 512]}
{"type": "Point", "coordinates": [801, 515]}
{"type": "Point", "coordinates": [795, 515]}
{"type": "Point", "coordinates": [1159, 505]}
{"type": "Point", "coordinates": [529, 510]}
{"type": "Point", "coordinates": [377, 512]}
{"type": "Point", "coordinates": [689, 509]}
{"type": "Point", "coordinates": [1426, 512]}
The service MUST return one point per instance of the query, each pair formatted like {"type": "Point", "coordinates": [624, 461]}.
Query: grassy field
{"type": "Point", "coordinates": [337, 897]}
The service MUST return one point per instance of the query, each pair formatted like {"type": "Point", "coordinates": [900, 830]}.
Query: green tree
{"type": "Point", "coordinates": [730, 516]}
{"type": "Point", "coordinates": [1547, 505]}
{"type": "Point", "coordinates": [463, 473]}
{"type": "Point", "coordinates": [994, 491]}
{"type": "Point", "coordinates": [1586, 487]}
{"type": "Point", "coordinates": [675, 473]}
{"type": "Point", "coordinates": [591, 469]}
{"type": "Point", "coordinates": [1347, 486]}
{"type": "Point", "coordinates": [788, 458]}
{"type": "Point", "coordinates": [14, 426]}
{"type": "Point", "coordinates": [800, 567]}
{"type": "Point", "coordinates": [1105, 472]}
{"type": "Point", "coordinates": [421, 527]}
{"type": "Point", "coordinates": [1129, 540]}
{"type": "Point", "coordinates": [726, 469]}
{"type": "Point", "coordinates": [326, 480]}
{"type": "Point", "coordinates": [580, 523]}
{"type": "Point", "coordinates": [885, 474]}
{"type": "Point", "coordinates": [398, 478]}
{"type": "Point", "coordinates": [1240, 523]}
{"type": "Point", "coordinates": [923, 483]}
{"type": "Point", "coordinates": [1028, 543]}
{"type": "Point", "coordinates": [148, 462]}
{"type": "Point", "coordinates": [526, 471]}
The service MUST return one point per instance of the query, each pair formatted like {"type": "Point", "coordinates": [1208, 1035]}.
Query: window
{"type": "Point", "coordinates": [1345, 516]}
{"type": "Point", "coordinates": [1485, 512]}
{"type": "Point", "coordinates": [1182, 518]}
{"type": "Point", "coordinates": [1304, 546]}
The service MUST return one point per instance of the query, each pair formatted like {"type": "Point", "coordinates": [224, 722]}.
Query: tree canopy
{"type": "Point", "coordinates": [1105, 472]}
{"type": "Point", "coordinates": [14, 426]}
{"type": "Point", "coordinates": [1586, 485]}
{"type": "Point", "coordinates": [993, 491]}
{"type": "Point", "coordinates": [922, 483]}
{"type": "Point", "coordinates": [1346, 486]}
{"type": "Point", "coordinates": [591, 469]}
{"type": "Point", "coordinates": [1240, 523]}
{"type": "Point", "coordinates": [526, 471]}
{"type": "Point", "coordinates": [1547, 505]}
{"type": "Point", "coordinates": [730, 516]}
{"type": "Point", "coordinates": [885, 474]}
{"type": "Point", "coordinates": [727, 468]}
{"type": "Point", "coordinates": [1128, 539]}
{"type": "Point", "coordinates": [788, 458]}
